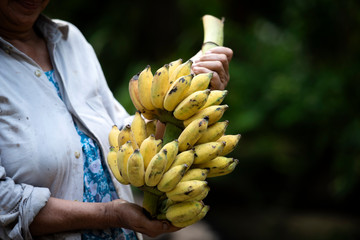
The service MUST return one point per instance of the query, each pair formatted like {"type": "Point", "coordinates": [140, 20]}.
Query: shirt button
{"type": "Point", "coordinates": [77, 154]}
{"type": "Point", "coordinates": [37, 73]}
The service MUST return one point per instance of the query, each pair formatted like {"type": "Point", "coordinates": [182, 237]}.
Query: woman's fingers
{"type": "Point", "coordinates": [132, 216]}
{"type": "Point", "coordinates": [215, 60]}
{"type": "Point", "coordinates": [222, 50]}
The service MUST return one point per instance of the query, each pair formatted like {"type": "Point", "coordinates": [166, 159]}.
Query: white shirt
{"type": "Point", "coordinates": [40, 150]}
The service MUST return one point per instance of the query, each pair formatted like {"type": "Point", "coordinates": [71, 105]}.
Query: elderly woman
{"type": "Point", "coordinates": [55, 107]}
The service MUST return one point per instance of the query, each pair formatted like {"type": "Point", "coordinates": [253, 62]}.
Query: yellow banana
{"type": "Point", "coordinates": [126, 134]}
{"type": "Point", "coordinates": [160, 86]}
{"type": "Point", "coordinates": [151, 127]}
{"type": "Point", "coordinates": [214, 113]}
{"type": "Point", "coordinates": [207, 151]}
{"type": "Point", "coordinates": [182, 70]}
{"type": "Point", "coordinates": [216, 97]}
{"type": "Point", "coordinates": [213, 132]}
{"type": "Point", "coordinates": [172, 149]}
{"type": "Point", "coordinates": [195, 174]}
{"type": "Point", "coordinates": [216, 164]}
{"type": "Point", "coordinates": [197, 218]}
{"type": "Point", "coordinates": [199, 82]}
{"type": "Point", "coordinates": [222, 172]}
{"type": "Point", "coordinates": [156, 168]}
{"type": "Point", "coordinates": [191, 104]}
{"type": "Point", "coordinates": [112, 161]}
{"type": "Point", "coordinates": [171, 178]}
{"type": "Point", "coordinates": [122, 159]}
{"type": "Point", "coordinates": [191, 134]}
{"type": "Point", "coordinates": [159, 144]}
{"type": "Point", "coordinates": [175, 93]}
{"type": "Point", "coordinates": [138, 127]}
{"type": "Point", "coordinates": [135, 169]}
{"type": "Point", "coordinates": [134, 95]}
{"type": "Point", "coordinates": [184, 211]}
{"type": "Point", "coordinates": [231, 142]}
{"type": "Point", "coordinates": [186, 190]}
{"type": "Point", "coordinates": [173, 65]}
{"type": "Point", "coordinates": [201, 196]}
{"type": "Point", "coordinates": [148, 149]}
{"type": "Point", "coordinates": [185, 157]}
{"type": "Point", "coordinates": [144, 85]}
{"type": "Point", "coordinates": [113, 137]}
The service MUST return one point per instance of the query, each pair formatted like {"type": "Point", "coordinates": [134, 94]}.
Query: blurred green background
{"type": "Point", "coordinates": [293, 95]}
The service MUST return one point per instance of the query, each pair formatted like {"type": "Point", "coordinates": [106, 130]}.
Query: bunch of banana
{"type": "Point", "coordinates": [172, 171]}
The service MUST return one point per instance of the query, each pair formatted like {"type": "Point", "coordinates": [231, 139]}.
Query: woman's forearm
{"type": "Point", "coordinates": [60, 215]}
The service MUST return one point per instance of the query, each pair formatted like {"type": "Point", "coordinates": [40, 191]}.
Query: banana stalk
{"type": "Point", "coordinates": [151, 200]}
{"type": "Point", "coordinates": [213, 32]}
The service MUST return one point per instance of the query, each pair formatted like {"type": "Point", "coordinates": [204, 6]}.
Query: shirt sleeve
{"type": "Point", "coordinates": [19, 204]}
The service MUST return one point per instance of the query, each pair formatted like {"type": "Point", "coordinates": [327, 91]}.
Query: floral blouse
{"type": "Point", "coordinates": [98, 186]}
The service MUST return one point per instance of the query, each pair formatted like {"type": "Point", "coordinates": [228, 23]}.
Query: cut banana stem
{"type": "Point", "coordinates": [213, 32]}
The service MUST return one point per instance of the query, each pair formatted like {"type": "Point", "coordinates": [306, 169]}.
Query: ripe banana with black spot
{"type": "Point", "coordinates": [199, 82]}
{"type": "Point", "coordinates": [214, 113]}
{"type": "Point", "coordinates": [160, 86]}
{"type": "Point", "coordinates": [185, 157]}
{"type": "Point", "coordinates": [195, 219]}
{"type": "Point", "coordinates": [191, 104]}
{"type": "Point", "coordinates": [195, 174]}
{"type": "Point", "coordinates": [172, 149]}
{"type": "Point", "coordinates": [173, 65]}
{"type": "Point", "coordinates": [186, 190]}
{"type": "Point", "coordinates": [216, 97]}
{"type": "Point", "coordinates": [181, 70]}
{"type": "Point", "coordinates": [125, 135]}
{"type": "Point", "coordinates": [138, 127]}
{"type": "Point", "coordinates": [144, 85]}
{"type": "Point", "coordinates": [156, 168]}
{"type": "Point", "coordinates": [217, 164]}
{"type": "Point", "coordinates": [201, 196]}
{"type": "Point", "coordinates": [175, 94]}
{"type": "Point", "coordinates": [171, 178]}
{"type": "Point", "coordinates": [191, 134]}
{"type": "Point", "coordinates": [134, 95]}
{"type": "Point", "coordinates": [148, 149]}
{"type": "Point", "coordinates": [122, 159]}
{"type": "Point", "coordinates": [112, 161]}
{"type": "Point", "coordinates": [113, 137]}
{"type": "Point", "coordinates": [207, 151]}
{"type": "Point", "coordinates": [224, 171]}
{"type": "Point", "coordinates": [184, 211]}
{"type": "Point", "coordinates": [213, 132]}
{"type": "Point", "coordinates": [151, 127]}
{"type": "Point", "coordinates": [231, 142]}
{"type": "Point", "coordinates": [135, 169]}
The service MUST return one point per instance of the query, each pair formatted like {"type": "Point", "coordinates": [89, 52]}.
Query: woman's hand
{"type": "Point", "coordinates": [131, 216]}
{"type": "Point", "coordinates": [215, 60]}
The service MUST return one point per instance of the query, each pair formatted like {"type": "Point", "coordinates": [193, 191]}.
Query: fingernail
{"type": "Point", "coordinates": [165, 226]}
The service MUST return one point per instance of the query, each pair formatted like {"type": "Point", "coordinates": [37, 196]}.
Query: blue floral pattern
{"type": "Point", "coordinates": [98, 186]}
